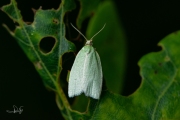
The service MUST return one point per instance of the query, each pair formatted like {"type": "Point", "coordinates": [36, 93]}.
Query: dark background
{"type": "Point", "coordinates": [145, 24]}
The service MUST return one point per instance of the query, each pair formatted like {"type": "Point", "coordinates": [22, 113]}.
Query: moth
{"type": "Point", "coordinates": [86, 73]}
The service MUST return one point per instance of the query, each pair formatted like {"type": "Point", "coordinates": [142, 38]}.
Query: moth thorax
{"type": "Point", "coordinates": [89, 42]}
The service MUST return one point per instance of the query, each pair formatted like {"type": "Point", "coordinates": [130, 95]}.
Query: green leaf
{"type": "Point", "coordinates": [46, 24]}
{"type": "Point", "coordinates": [158, 96]}
{"type": "Point", "coordinates": [111, 46]}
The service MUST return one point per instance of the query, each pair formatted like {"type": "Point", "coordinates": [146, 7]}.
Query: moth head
{"type": "Point", "coordinates": [89, 42]}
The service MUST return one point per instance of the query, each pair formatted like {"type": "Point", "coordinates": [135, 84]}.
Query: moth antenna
{"type": "Point", "coordinates": [99, 31]}
{"type": "Point", "coordinates": [79, 32]}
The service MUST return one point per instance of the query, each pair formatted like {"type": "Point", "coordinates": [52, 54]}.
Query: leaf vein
{"type": "Point", "coordinates": [164, 91]}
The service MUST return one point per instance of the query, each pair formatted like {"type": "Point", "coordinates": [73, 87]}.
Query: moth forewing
{"type": "Point", "coordinates": [92, 74]}
{"type": "Point", "coordinates": [75, 78]}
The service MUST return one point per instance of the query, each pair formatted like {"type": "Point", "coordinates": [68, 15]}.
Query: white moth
{"type": "Point", "coordinates": [86, 72]}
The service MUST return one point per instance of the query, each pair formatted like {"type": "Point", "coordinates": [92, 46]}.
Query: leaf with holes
{"type": "Point", "coordinates": [48, 27]}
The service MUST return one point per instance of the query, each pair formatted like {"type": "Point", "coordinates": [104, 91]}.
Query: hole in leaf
{"type": "Point", "coordinates": [25, 6]}
{"type": "Point", "coordinates": [46, 44]}
{"type": "Point", "coordinates": [67, 61]}
{"type": "Point", "coordinates": [80, 103]}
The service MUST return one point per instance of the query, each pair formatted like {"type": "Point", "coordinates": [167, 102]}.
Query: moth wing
{"type": "Point", "coordinates": [75, 78]}
{"type": "Point", "coordinates": [92, 80]}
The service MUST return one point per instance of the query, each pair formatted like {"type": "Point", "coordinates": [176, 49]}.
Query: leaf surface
{"type": "Point", "coordinates": [158, 96]}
